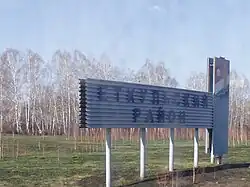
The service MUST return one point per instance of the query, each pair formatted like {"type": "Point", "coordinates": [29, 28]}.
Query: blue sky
{"type": "Point", "coordinates": [182, 33]}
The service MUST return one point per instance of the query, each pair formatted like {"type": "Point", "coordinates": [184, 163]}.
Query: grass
{"type": "Point", "coordinates": [55, 161]}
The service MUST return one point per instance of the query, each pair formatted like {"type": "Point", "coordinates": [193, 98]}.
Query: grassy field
{"type": "Point", "coordinates": [55, 161]}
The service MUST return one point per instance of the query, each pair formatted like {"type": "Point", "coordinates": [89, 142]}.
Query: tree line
{"type": "Point", "coordinates": [41, 97]}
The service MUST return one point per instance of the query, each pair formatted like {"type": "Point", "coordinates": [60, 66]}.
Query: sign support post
{"type": "Point", "coordinates": [108, 157]}
{"type": "Point", "coordinates": [142, 152]}
{"type": "Point", "coordinates": [196, 147]}
{"type": "Point", "coordinates": [212, 151]}
{"type": "Point", "coordinates": [206, 141]}
{"type": "Point", "coordinates": [210, 88]}
{"type": "Point", "coordinates": [171, 150]}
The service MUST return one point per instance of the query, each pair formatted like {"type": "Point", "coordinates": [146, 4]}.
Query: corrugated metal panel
{"type": "Point", "coordinates": [82, 103]}
{"type": "Point", "coordinates": [111, 104]}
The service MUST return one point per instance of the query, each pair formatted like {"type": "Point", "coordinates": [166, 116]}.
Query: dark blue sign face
{"type": "Point", "coordinates": [221, 79]}
{"type": "Point", "coordinates": [124, 105]}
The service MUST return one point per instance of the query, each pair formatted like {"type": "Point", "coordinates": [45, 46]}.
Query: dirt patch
{"type": "Point", "coordinates": [91, 181]}
{"type": "Point", "coordinates": [227, 178]}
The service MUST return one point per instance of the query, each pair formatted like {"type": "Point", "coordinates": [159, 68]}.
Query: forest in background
{"type": "Point", "coordinates": [39, 97]}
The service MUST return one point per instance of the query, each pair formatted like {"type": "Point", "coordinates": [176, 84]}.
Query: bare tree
{"type": "Point", "coordinates": [197, 81]}
{"type": "Point", "coordinates": [14, 67]}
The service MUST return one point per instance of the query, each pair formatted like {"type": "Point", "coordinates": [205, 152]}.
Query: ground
{"type": "Point", "coordinates": [55, 161]}
{"type": "Point", "coordinates": [227, 178]}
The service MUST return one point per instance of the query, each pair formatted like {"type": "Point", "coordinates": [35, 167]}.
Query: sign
{"type": "Point", "coordinates": [221, 111]}
{"type": "Point", "coordinates": [111, 104]}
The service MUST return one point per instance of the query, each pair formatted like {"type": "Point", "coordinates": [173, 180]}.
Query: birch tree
{"type": "Point", "coordinates": [14, 67]}
{"type": "Point", "coordinates": [197, 81]}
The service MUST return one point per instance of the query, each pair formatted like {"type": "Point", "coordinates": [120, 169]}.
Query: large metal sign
{"type": "Point", "coordinates": [221, 113]}
{"type": "Point", "coordinates": [111, 104]}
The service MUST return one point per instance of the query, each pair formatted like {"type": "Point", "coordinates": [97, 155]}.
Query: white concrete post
{"type": "Point", "coordinates": [171, 150]}
{"type": "Point", "coordinates": [212, 151]}
{"type": "Point", "coordinates": [206, 141]}
{"type": "Point", "coordinates": [142, 152]}
{"type": "Point", "coordinates": [108, 157]}
{"type": "Point", "coordinates": [196, 147]}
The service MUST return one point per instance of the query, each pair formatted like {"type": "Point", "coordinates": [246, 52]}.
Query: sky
{"type": "Point", "coordinates": [180, 33]}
